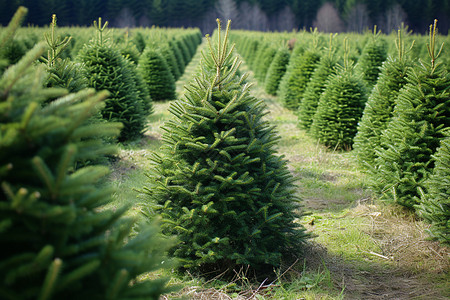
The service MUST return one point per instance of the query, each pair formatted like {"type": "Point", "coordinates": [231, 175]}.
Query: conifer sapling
{"type": "Point", "coordinates": [218, 182]}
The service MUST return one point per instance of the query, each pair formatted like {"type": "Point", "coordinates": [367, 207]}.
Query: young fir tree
{"type": "Point", "coordinates": [421, 114]}
{"type": "Point", "coordinates": [435, 201]}
{"type": "Point", "coordinates": [184, 50]}
{"type": "Point", "coordinates": [8, 37]}
{"type": "Point", "coordinates": [107, 69]}
{"type": "Point", "coordinates": [62, 73]}
{"type": "Point", "coordinates": [129, 50]}
{"type": "Point", "coordinates": [157, 76]}
{"type": "Point", "coordinates": [169, 55]}
{"type": "Point", "coordinates": [340, 107]}
{"type": "Point", "coordinates": [253, 48]}
{"type": "Point", "coordinates": [221, 187]}
{"type": "Point", "coordinates": [181, 63]}
{"type": "Point", "coordinates": [58, 240]}
{"type": "Point", "coordinates": [300, 69]}
{"type": "Point", "coordinates": [380, 106]}
{"type": "Point", "coordinates": [264, 63]}
{"type": "Point", "coordinates": [371, 59]}
{"type": "Point", "coordinates": [315, 87]}
{"type": "Point", "coordinates": [276, 70]}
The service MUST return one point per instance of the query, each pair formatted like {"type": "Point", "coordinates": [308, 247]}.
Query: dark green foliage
{"type": "Point", "coordinates": [7, 37]}
{"type": "Point", "coordinates": [314, 89]}
{"type": "Point", "coordinates": [141, 87]}
{"type": "Point", "coordinates": [130, 51]}
{"type": "Point", "coordinates": [254, 63]}
{"type": "Point", "coordinates": [339, 109]}
{"type": "Point", "coordinates": [66, 74]}
{"type": "Point", "coordinates": [181, 63]}
{"type": "Point", "coordinates": [14, 50]}
{"type": "Point", "coordinates": [184, 51]}
{"type": "Point", "coordinates": [138, 40]}
{"type": "Point", "coordinates": [371, 59]}
{"type": "Point", "coordinates": [251, 52]}
{"type": "Point", "coordinates": [62, 73]}
{"type": "Point", "coordinates": [156, 74]}
{"type": "Point", "coordinates": [276, 70]}
{"type": "Point", "coordinates": [293, 84]}
{"type": "Point", "coordinates": [188, 40]}
{"type": "Point", "coordinates": [264, 63]}
{"type": "Point", "coordinates": [58, 240]}
{"type": "Point", "coordinates": [169, 55]}
{"type": "Point", "coordinates": [421, 114]}
{"type": "Point", "coordinates": [379, 108]}
{"type": "Point", "coordinates": [107, 69]}
{"type": "Point", "coordinates": [220, 186]}
{"type": "Point", "coordinates": [435, 204]}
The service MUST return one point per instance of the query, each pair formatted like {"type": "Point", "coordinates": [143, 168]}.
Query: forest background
{"type": "Point", "coordinates": [264, 15]}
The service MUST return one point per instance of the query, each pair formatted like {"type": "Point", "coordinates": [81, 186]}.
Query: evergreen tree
{"type": "Point", "coordinates": [252, 51]}
{"type": "Point", "coordinates": [264, 63]}
{"type": "Point", "coordinates": [58, 240]}
{"type": "Point", "coordinates": [139, 41]}
{"type": "Point", "coordinates": [315, 88]}
{"type": "Point", "coordinates": [371, 59]}
{"type": "Point", "coordinates": [293, 84]}
{"type": "Point", "coordinates": [421, 114]}
{"type": "Point", "coordinates": [156, 74]}
{"type": "Point", "coordinates": [107, 69]}
{"type": "Point", "coordinates": [435, 202]}
{"type": "Point", "coordinates": [276, 70]}
{"type": "Point", "coordinates": [340, 108]}
{"type": "Point", "coordinates": [62, 72]}
{"type": "Point", "coordinates": [181, 63]}
{"type": "Point", "coordinates": [184, 51]}
{"type": "Point", "coordinates": [142, 91]}
{"type": "Point", "coordinates": [221, 187]}
{"type": "Point", "coordinates": [169, 55]}
{"type": "Point", "coordinates": [380, 106]}
{"type": "Point", "coordinates": [7, 36]}
{"type": "Point", "coordinates": [129, 50]}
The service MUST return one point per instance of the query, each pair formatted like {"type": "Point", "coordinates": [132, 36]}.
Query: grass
{"type": "Point", "coordinates": [362, 249]}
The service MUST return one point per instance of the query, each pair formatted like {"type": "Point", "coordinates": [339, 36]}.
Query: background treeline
{"type": "Point", "coordinates": [327, 15]}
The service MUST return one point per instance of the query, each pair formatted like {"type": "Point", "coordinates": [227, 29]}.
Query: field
{"type": "Point", "coordinates": [153, 163]}
{"type": "Point", "coordinates": [362, 248]}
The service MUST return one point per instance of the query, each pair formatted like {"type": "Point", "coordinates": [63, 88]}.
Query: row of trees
{"type": "Point", "coordinates": [394, 109]}
{"type": "Point", "coordinates": [328, 15]}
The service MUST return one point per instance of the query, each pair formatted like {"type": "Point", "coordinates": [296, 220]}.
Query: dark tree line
{"type": "Point", "coordinates": [352, 15]}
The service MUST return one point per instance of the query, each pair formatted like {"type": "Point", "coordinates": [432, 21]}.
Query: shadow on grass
{"type": "Point", "coordinates": [372, 278]}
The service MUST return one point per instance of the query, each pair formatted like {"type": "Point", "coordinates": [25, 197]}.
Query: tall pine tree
{"type": "Point", "coordinates": [221, 187]}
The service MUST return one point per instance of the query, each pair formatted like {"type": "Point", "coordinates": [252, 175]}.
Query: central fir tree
{"type": "Point", "coordinates": [219, 183]}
